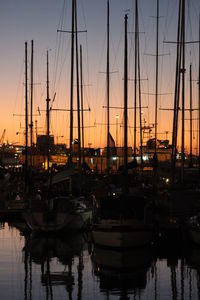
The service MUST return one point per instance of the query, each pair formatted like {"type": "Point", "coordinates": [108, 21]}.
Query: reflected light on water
{"type": "Point", "coordinates": [71, 268]}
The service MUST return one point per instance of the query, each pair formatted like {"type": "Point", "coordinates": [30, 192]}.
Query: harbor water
{"type": "Point", "coordinates": [70, 267]}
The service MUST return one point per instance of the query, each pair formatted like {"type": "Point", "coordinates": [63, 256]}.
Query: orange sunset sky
{"type": "Point", "coordinates": [39, 20]}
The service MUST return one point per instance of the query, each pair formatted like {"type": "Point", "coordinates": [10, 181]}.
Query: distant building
{"type": "Point", "coordinates": [60, 149]}
{"type": "Point", "coordinates": [117, 151]}
{"type": "Point", "coordinates": [163, 150]}
{"type": "Point", "coordinates": [43, 141]}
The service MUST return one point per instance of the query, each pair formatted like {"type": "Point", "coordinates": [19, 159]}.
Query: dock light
{"type": "Point", "coordinates": [114, 194]}
{"type": "Point", "coordinates": [167, 180]}
{"type": "Point", "coordinates": [114, 158]}
{"type": "Point", "coordinates": [145, 157]}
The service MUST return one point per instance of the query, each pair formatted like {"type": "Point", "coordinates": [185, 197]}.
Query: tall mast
{"type": "Point", "coordinates": [199, 93]}
{"type": "Point", "coordinates": [77, 83]}
{"type": "Point", "coordinates": [81, 74]}
{"type": "Point", "coordinates": [47, 114]}
{"type": "Point", "coordinates": [140, 101]}
{"type": "Point", "coordinates": [108, 86]}
{"type": "Point", "coordinates": [125, 95]}
{"type": "Point", "coordinates": [176, 94]}
{"type": "Point", "coordinates": [156, 104]}
{"type": "Point", "coordinates": [190, 115]}
{"type": "Point", "coordinates": [183, 92]}
{"type": "Point", "coordinates": [72, 84]}
{"type": "Point", "coordinates": [26, 116]}
{"type": "Point", "coordinates": [31, 125]}
{"type": "Point", "coordinates": [135, 91]}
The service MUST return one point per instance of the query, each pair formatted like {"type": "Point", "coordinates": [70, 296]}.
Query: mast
{"type": "Point", "coordinates": [78, 94]}
{"type": "Point", "coordinates": [108, 86]}
{"type": "Point", "coordinates": [156, 104]}
{"type": "Point", "coordinates": [190, 116]}
{"type": "Point", "coordinates": [47, 114]}
{"type": "Point", "coordinates": [140, 101]}
{"type": "Point", "coordinates": [36, 130]}
{"type": "Point", "coordinates": [176, 95]}
{"type": "Point", "coordinates": [183, 92]}
{"type": "Point", "coordinates": [81, 74]}
{"type": "Point", "coordinates": [125, 95]}
{"type": "Point", "coordinates": [72, 84]}
{"type": "Point", "coordinates": [135, 81]}
{"type": "Point", "coordinates": [31, 125]}
{"type": "Point", "coordinates": [199, 93]}
{"type": "Point", "coordinates": [26, 117]}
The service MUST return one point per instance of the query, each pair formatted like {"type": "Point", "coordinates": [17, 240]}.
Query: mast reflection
{"type": "Point", "coordinates": [44, 251]}
{"type": "Point", "coordinates": [193, 262]}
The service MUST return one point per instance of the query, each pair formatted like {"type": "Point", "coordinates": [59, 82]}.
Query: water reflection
{"type": "Point", "coordinates": [171, 248]}
{"type": "Point", "coordinates": [124, 272]}
{"type": "Point", "coordinates": [64, 268]}
{"type": "Point", "coordinates": [42, 251]}
{"type": "Point", "coordinates": [21, 227]}
{"type": "Point", "coordinates": [2, 225]}
{"type": "Point", "coordinates": [193, 262]}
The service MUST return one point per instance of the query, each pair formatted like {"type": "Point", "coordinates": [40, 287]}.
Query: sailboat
{"type": "Point", "coordinates": [52, 211]}
{"type": "Point", "coordinates": [122, 216]}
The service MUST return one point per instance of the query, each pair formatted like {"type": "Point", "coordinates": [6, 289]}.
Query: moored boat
{"type": "Point", "coordinates": [123, 221]}
{"type": "Point", "coordinates": [59, 214]}
{"type": "Point", "coordinates": [122, 233]}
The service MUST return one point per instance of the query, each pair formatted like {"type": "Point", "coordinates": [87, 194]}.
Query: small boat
{"type": "Point", "coordinates": [59, 214]}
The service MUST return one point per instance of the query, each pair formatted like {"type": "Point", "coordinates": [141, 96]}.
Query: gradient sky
{"type": "Point", "coordinates": [24, 20]}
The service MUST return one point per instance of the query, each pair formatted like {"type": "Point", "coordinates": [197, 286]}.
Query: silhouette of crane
{"type": "Point", "coordinates": [2, 137]}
